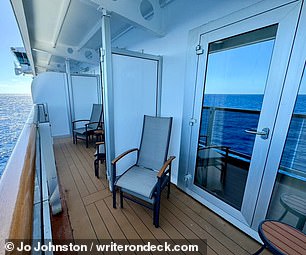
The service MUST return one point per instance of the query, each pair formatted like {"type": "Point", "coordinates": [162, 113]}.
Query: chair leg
{"type": "Point", "coordinates": [96, 165]}
{"type": "Point", "coordinates": [168, 191]}
{"type": "Point", "coordinates": [121, 199]}
{"type": "Point", "coordinates": [86, 141]}
{"type": "Point", "coordinates": [156, 212]}
{"type": "Point", "coordinates": [260, 250]}
{"type": "Point", "coordinates": [114, 197]}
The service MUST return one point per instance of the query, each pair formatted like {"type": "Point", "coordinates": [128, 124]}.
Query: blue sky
{"type": "Point", "coordinates": [10, 37]}
{"type": "Point", "coordinates": [241, 70]}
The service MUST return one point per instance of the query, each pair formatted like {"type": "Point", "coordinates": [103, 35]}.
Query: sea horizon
{"type": "Point", "coordinates": [228, 129]}
{"type": "Point", "coordinates": [14, 111]}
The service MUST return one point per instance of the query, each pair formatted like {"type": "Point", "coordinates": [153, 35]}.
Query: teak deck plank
{"type": "Point", "coordinates": [91, 214]}
{"type": "Point", "coordinates": [86, 155]}
{"type": "Point", "coordinates": [97, 222]}
{"type": "Point", "coordinates": [80, 223]}
{"type": "Point", "coordinates": [139, 226]}
{"type": "Point", "coordinates": [110, 222]}
{"type": "Point", "coordinates": [94, 197]}
{"type": "Point", "coordinates": [197, 231]}
{"type": "Point", "coordinates": [82, 166]}
{"type": "Point", "coordinates": [204, 228]}
{"type": "Point", "coordinates": [81, 186]}
{"type": "Point", "coordinates": [214, 221]}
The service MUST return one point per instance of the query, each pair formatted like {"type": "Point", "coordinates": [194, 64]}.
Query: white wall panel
{"type": "Point", "coordinates": [85, 94]}
{"type": "Point", "coordinates": [135, 92]}
{"type": "Point", "coordinates": [50, 88]}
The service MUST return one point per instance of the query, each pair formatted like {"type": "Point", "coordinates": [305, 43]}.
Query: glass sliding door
{"type": "Point", "coordinates": [239, 79]}
{"type": "Point", "coordinates": [288, 202]}
{"type": "Point", "coordinates": [236, 75]}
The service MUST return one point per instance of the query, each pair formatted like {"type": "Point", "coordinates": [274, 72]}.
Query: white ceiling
{"type": "Point", "coordinates": [56, 30]}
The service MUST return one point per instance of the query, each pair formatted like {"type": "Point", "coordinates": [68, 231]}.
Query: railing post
{"type": "Point", "coordinates": [211, 119]}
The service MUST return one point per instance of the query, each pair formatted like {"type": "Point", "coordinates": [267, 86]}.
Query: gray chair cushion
{"type": "Point", "coordinates": [138, 180]}
{"type": "Point", "coordinates": [96, 115]}
{"type": "Point", "coordinates": [82, 131]}
{"type": "Point", "coordinates": [147, 199]}
{"type": "Point", "coordinates": [155, 142]}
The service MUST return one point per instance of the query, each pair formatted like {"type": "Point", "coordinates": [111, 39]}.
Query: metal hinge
{"type": "Point", "coordinates": [199, 50]}
{"type": "Point", "coordinates": [102, 54]}
{"type": "Point", "coordinates": [187, 178]}
{"type": "Point", "coordinates": [192, 122]}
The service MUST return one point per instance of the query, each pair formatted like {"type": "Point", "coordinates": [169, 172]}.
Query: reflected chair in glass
{"type": "Point", "coordinates": [144, 181]}
{"type": "Point", "coordinates": [83, 132]}
{"type": "Point", "coordinates": [211, 156]}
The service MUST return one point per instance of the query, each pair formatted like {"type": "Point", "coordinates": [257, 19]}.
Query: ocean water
{"type": "Point", "coordinates": [228, 127]}
{"type": "Point", "coordinates": [14, 111]}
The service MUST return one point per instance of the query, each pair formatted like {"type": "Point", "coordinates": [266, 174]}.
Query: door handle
{"type": "Point", "coordinates": [264, 133]}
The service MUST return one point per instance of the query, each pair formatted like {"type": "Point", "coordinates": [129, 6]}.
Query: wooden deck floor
{"type": "Point", "coordinates": [91, 216]}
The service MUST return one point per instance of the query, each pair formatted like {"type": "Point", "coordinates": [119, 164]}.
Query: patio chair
{"type": "Point", "coordinates": [100, 156]}
{"type": "Point", "coordinates": [84, 132]}
{"type": "Point", "coordinates": [213, 155]}
{"type": "Point", "coordinates": [143, 182]}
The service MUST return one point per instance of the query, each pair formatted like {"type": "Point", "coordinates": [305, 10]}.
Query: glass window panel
{"type": "Point", "coordinates": [288, 202]}
{"type": "Point", "coordinates": [236, 75]}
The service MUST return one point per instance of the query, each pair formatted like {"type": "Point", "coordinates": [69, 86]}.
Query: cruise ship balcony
{"type": "Point", "coordinates": [88, 212]}
{"type": "Point", "coordinates": [230, 74]}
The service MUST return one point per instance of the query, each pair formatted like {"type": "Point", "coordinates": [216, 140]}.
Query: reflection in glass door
{"type": "Point", "coordinates": [236, 75]}
{"type": "Point", "coordinates": [288, 202]}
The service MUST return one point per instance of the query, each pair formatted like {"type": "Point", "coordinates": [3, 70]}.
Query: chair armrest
{"type": "Point", "coordinates": [75, 121]}
{"type": "Point", "coordinates": [167, 163]}
{"type": "Point", "coordinates": [99, 143]}
{"type": "Point", "coordinates": [123, 155]}
{"type": "Point", "coordinates": [95, 122]}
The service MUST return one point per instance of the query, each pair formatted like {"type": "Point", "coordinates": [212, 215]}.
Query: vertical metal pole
{"type": "Point", "coordinates": [99, 88]}
{"type": "Point", "coordinates": [70, 95]}
{"type": "Point", "coordinates": [108, 92]}
{"type": "Point", "coordinates": [159, 86]}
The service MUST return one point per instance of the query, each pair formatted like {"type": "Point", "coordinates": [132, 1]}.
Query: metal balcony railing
{"type": "Point", "coordinates": [225, 127]}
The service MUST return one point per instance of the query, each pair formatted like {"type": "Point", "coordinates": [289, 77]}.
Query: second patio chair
{"type": "Point", "coordinates": [83, 132]}
{"type": "Point", "coordinates": [100, 157]}
{"type": "Point", "coordinates": [143, 182]}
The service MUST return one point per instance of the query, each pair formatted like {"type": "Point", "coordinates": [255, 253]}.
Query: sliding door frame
{"type": "Point", "coordinates": [255, 17]}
